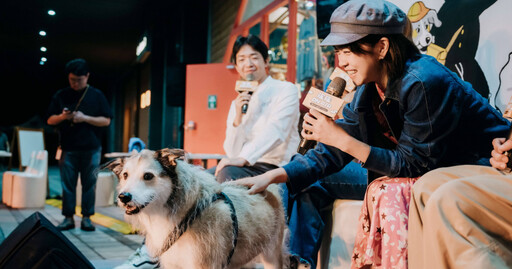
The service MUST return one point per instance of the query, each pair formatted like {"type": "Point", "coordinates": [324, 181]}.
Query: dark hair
{"type": "Point", "coordinates": [252, 41]}
{"type": "Point", "coordinates": [78, 67]}
{"type": "Point", "coordinates": [400, 50]}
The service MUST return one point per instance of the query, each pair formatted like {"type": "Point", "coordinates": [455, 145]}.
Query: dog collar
{"type": "Point", "coordinates": [193, 214]}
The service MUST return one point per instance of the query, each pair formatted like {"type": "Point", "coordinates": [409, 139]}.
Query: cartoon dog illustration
{"type": "Point", "coordinates": [422, 19]}
{"type": "Point", "coordinates": [454, 40]}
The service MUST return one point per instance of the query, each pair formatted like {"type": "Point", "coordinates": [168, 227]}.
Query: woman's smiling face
{"type": "Point", "coordinates": [362, 68]}
{"type": "Point", "coordinates": [364, 64]}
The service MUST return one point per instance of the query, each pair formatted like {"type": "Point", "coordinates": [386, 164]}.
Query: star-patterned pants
{"type": "Point", "coordinates": [381, 239]}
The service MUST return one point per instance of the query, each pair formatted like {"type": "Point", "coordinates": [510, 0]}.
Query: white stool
{"type": "Point", "coordinates": [9, 175]}
{"type": "Point", "coordinates": [105, 189]}
{"type": "Point", "coordinates": [28, 189]}
{"type": "Point", "coordinates": [340, 235]}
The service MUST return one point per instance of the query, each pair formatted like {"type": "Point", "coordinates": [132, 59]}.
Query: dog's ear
{"type": "Point", "coordinates": [167, 157]}
{"type": "Point", "coordinates": [115, 166]}
{"type": "Point", "coordinates": [432, 18]}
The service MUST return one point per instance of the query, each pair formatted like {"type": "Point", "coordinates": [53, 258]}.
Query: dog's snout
{"type": "Point", "coordinates": [125, 197]}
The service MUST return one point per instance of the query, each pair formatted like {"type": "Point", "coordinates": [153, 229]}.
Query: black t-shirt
{"type": "Point", "coordinates": [80, 136]}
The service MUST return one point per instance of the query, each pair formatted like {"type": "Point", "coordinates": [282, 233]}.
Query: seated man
{"type": "Point", "coordinates": [461, 217]}
{"type": "Point", "coordinates": [264, 136]}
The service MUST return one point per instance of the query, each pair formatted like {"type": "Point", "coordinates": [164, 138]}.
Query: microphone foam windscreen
{"type": "Point", "coordinates": [336, 87]}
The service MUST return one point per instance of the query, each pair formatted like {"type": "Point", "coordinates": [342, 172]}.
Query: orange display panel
{"type": "Point", "coordinates": [210, 88]}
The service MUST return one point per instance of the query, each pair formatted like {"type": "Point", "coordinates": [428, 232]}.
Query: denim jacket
{"type": "Point", "coordinates": [438, 120]}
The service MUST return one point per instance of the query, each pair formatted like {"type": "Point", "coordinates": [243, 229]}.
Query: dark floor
{"type": "Point", "coordinates": [105, 248]}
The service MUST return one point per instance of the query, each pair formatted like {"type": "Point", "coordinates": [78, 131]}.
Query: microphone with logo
{"type": "Point", "coordinates": [248, 85]}
{"type": "Point", "coordinates": [327, 103]}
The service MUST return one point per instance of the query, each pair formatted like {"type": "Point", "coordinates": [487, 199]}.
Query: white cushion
{"type": "Point", "coordinates": [338, 240]}
{"type": "Point", "coordinates": [28, 189]}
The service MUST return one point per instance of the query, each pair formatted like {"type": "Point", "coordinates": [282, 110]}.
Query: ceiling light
{"type": "Point", "coordinates": [42, 33]}
{"type": "Point", "coordinates": [51, 12]}
{"type": "Point", "coordinates": [142, 45]}
{"type": "Point", "coordinates": [43, 49]}
{"type": "Point", "coordinates": [309, 4]}
{"type": "Point", "coordinates": [43, 59]}
{"type": "Point", "coordinates": [41, 63]}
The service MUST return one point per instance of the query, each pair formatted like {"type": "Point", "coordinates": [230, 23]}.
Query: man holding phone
{"type": "Point", "coordinates": [79, 111]}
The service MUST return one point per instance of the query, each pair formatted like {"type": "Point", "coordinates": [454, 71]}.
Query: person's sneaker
{"type": "Point", "coordinates": [86, 224]}
{"type": "Point", "coordinates": [140, 259]}
{"type": "Point", "coordinates": [66, 224]}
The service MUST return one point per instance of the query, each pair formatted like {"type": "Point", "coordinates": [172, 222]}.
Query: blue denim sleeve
{"type": "Point", "coordinates": [323, 160]}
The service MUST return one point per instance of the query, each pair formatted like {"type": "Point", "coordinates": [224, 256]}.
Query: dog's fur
{"type": "Point", "coordinates": [163, 189]}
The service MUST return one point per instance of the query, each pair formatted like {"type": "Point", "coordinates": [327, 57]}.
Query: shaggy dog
{"type": "Point", "coordinates": [191, 221]}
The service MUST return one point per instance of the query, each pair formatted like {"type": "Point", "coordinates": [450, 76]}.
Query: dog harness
{"type": "Point", "coordinates": [194, 213]}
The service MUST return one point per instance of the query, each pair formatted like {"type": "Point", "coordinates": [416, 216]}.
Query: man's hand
{"type": "Point", "coordinates": [239, 161]}
{"type": "Point", "coordinates": [66, 114]}
{"type": "Point", "coordinates": [501, 146]}
{"type": "Point", "coordinates": [242, 99]}
{"type": "Point", "coordinates": [78, 117]}
{"type": "Point", "coordinates": [98, 121]}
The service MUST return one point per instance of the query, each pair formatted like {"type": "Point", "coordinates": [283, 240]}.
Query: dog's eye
{"type": "Point", "coordinates": [125, 175]}
{"type": "Point", "coordinates": [148, 176]}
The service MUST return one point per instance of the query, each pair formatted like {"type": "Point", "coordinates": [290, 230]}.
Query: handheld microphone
{"type": "Point", "coordinates": [249, 77]}
{"type": "Point", "coordinates": [327, 103]}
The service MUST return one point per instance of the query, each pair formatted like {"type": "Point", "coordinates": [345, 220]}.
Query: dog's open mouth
{"type": "Point", "coordinates": [133, 208]}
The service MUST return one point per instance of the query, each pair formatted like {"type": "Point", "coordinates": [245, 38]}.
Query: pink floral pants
{"type": "Point", "coordinates": [381, 239]}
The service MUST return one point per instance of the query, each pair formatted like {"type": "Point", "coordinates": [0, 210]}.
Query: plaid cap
{"type": "Point", "coordinates": [356, 19]}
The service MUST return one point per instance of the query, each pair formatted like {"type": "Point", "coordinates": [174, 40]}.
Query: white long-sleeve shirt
{"type": "Point", "coordinates": [268, 131]}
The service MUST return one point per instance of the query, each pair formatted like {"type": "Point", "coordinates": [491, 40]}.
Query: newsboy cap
{"type": "Point", "coordinates": [356, 19]}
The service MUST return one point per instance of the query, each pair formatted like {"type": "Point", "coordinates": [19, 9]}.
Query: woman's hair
{"type": "Point", "coordinates": [400, 49]}
{"type": "Point", "coordinates": [252, 41]}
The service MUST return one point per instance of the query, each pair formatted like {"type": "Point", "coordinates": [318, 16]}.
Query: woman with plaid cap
{"type": "Point", "coordinates": [410, 115]}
